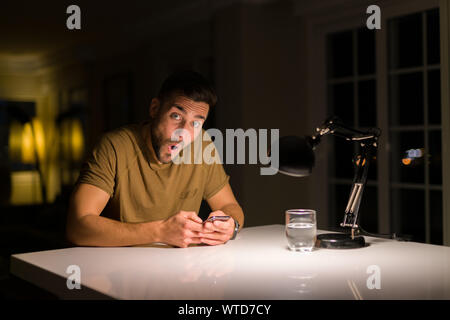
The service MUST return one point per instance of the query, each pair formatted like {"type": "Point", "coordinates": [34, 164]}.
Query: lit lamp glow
{"type": "Point", "coordinates": [28, 152]}
{"type": "Point", "coordinates": [71, 142]}
{"type": "Point", "coordinates": [26, 141]}
{"type": "Point", "coordinates": [413, 157]}
{"type": "Point", "coordinates": [39, 139]}
{"type": "Point", "coordinates": [77, 140]}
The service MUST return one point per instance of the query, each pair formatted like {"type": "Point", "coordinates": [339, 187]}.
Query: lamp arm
{"type": "Point", "coordinates": [368, 143]}
{"type": "Point", "coordinates": [335, 127]}
{"type": "Point", "coordinates": [362, 161]}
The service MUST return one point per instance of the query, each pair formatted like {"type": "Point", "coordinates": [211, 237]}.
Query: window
{"type": "Point", "coordinates": [415, 126]}
{"type": "Point", "coordinates": [352, 97]}
{"type": "Point", "coordinates": [412, 127]}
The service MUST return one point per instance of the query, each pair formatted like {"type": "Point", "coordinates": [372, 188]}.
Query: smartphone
{"type": "Point", "coordinates": [218, 218]}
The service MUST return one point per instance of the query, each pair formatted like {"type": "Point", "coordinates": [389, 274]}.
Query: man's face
{"type": "Point", "coordinates": [176, 124]}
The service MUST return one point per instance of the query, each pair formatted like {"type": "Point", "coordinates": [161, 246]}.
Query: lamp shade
{"type": "Point", "coordinates": [296, 156]}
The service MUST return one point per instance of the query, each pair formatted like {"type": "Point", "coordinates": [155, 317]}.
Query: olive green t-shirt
{"type": "Point", "coordinates": [125, 166]}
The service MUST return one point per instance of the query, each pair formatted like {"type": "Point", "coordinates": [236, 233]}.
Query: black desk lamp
{"type": "Point", "coordinates": [297, 159]}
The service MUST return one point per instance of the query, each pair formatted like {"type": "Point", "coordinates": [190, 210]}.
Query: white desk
{"type": "Point", "coordinates": [257, 265]}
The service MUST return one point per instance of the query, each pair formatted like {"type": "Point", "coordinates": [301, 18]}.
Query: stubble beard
{"type": "Point", "coordinates": [157, 142]}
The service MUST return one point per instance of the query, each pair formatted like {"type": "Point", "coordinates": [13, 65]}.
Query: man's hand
{"type": "Point", "coordinates": [181, 229]}
{"type": "Point", "coordinates": [217, 232]}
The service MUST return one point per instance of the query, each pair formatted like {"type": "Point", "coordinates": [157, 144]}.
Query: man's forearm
{"type": "Point", "coordinates": [235, 211]}
{"type": "Point", "coordinates": [93, 230]}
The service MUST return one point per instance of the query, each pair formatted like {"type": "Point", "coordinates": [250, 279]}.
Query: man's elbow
{"type": "Point", "coordinates": [73, 234]}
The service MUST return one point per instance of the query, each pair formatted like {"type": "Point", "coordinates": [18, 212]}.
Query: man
{"type": "Point", "coordinates": [130, 191]}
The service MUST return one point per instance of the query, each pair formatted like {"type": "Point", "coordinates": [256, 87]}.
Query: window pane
{"type": "Point", "coordinates": [340, 54]}
{"type": "Point", "coordinates": [373, 169]}
{"type": "Point", "coordinates": [367, 103]}
{"type": "Point", "coordinates": [408, 213]}
{"type": "Point", "coordinates": [343, 152]}
{"type": "Point", "coordinates": [434, 97]}
{"type": "Point", "coordinates": [366, 51]}
{"type": "Point", "coordinates": [342, 102]}
{"type": "Point", "coordinates": [407, 167]}
{"type": "Point", "coordinates": [433, 37]}
{"type": "Point", "coordinates": [406, 95]}
{"type": "Point", "coordinates": [405, 41]}
{"type": "Point", "coordinates": [435, 157]}
{"type": "Point", "coordinates": [436, 217]}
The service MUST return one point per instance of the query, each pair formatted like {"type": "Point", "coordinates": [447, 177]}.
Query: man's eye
{"type": "Point", "coordinates": [197, 124]}
{"type": "Point", "coordinates": [176, 116]}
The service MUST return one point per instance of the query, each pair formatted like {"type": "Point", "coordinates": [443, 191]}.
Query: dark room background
{"type": "Point", "coordinates": [275, 64]}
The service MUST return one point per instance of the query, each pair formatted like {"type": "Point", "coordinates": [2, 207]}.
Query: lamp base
{"type": "Point", "coordinates": [339, 241]}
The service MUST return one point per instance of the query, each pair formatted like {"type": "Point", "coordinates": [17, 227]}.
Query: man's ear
{"type": "Point", "coordinates": [155, 106]}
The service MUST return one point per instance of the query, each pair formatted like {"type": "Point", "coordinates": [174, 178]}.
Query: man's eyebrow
{"type": "Point", "coordinates": [180, 108]}
{"type": "Point", "coordinates": [199, 117]}
{"type": "Point", "coordinates": [184, 111]}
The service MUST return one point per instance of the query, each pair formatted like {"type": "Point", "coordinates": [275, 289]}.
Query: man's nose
{"type": "Point", "coordinates": [182, 133]}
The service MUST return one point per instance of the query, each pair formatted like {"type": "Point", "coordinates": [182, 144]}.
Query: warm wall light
{"type": "Point", "coordinates": [22, 143]}
{"type": "Point", "coordinates": [72, 140]}
{"type": "Point", "coordinates": [27, 145]}
{"type": "Point", "coordinates": [39, 139]}
{"type": "Point", "coordinates": [77, 140]}
{"type": "Point", "coordinates": [71, 136]}
{"type": "Point", "coordinates": [32, 142]}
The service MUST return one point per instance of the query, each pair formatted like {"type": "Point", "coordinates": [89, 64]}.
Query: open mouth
{"type": "Point", "coordinates": [174, 147]}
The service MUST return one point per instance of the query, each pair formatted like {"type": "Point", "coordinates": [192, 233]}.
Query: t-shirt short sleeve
{"type": "Point", "coordinates": [99, 169]}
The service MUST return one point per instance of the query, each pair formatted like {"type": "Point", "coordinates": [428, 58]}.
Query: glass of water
{"type": "Point", "coordinates": [301, 229]}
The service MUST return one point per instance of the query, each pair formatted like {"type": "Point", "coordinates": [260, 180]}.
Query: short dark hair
{"type": "Point", "coordinates": [190, 84]}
